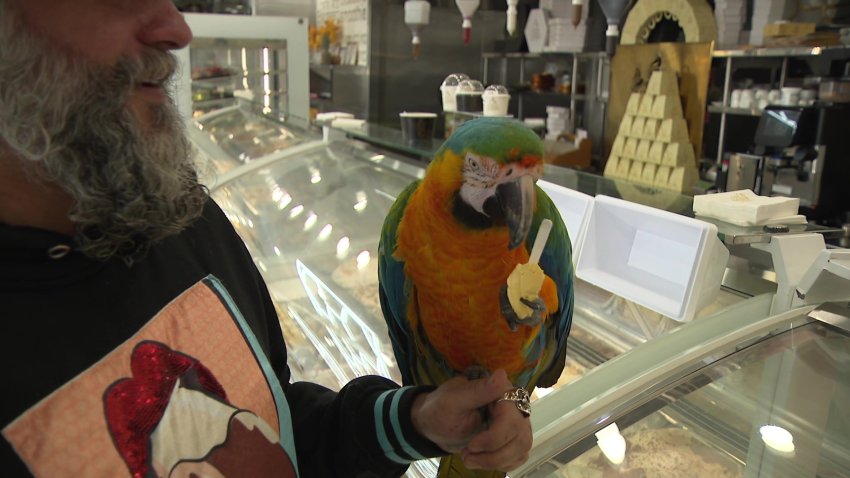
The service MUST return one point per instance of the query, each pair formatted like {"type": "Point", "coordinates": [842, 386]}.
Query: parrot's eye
{"type": "Point", "coordinates": [472, 161]}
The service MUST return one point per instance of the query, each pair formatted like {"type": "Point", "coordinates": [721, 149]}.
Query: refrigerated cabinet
{"type": "Point", "coordinates": [311, 216]}
{"type": "Point", "coordinates": [312, 222]}
{"type": "Point", "coordinates": [739, 394]}
{"type": "Point", "coordinates": [228, 139]}
{"type": "Point", "coordinates": [235, 59]}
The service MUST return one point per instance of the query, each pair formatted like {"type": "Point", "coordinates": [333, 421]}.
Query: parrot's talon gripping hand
{"type": "Point", "coordinates": [537, 306]}
{"type": "Point", "coordinates": [475, 372]}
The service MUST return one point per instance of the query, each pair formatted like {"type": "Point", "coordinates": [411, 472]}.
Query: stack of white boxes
{"type": "Point", "coordinates": [652, 146]}
{"type": "Point", "coordinates": [557, 121]}
{"type": "Point", "coordinates": [562, 35]}
{"type": "Point", "coordinates": [730, 19]}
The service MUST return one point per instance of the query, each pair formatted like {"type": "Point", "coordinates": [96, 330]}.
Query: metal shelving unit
{"type": "Point", "coordinates": [592, 70]}
{"type": "Point", "coordinates": [594, 90]}
{"type": "Point", "coordinates": [780, 58]}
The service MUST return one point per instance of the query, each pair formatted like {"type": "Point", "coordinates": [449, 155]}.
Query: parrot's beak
{"type": "Point", "coordinates": [516, 199]}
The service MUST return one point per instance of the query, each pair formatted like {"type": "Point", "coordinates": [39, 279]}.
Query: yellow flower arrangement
{"type": "Point", "coordinates": [322, 37]}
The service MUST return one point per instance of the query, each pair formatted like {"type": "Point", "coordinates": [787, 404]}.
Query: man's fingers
{"type": "Point", "coordinates": [484, 391]}
{"type": "Point", "coordinates": [507, 457]}
{"type": "Point", "coordinates": [506, 423]}
{"type": "Point", "coordinates": [505, 444]}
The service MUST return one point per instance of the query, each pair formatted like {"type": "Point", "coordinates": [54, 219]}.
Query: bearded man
{"type": "Point", "coordinates": [124, 289]}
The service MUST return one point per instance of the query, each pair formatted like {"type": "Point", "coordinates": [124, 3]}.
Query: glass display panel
{"type": "Point", "coordinates": [312, 223]}
{"type": "Point", "coordinates": [224, 70]}
{"type": "Point", "coordinates": [777, 408]}
{"type": "Point", "coordinates": [244, 136]}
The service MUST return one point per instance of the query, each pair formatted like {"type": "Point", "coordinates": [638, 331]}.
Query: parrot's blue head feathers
{"type": "Point", "coordinates": [502, 139]}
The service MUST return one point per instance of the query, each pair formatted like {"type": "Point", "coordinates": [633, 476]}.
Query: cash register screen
{"type": "Point", "coordinates": [777, 127]}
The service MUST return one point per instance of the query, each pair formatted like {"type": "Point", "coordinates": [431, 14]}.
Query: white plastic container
{"type": "Point", "coordinates": [669, 263]}
{"type": "Point", "coordinates": [448, 90]}
{"type": "Point", "coordinates": [574, 208]}
{"type": "Point", "coordinates": [496, 100]}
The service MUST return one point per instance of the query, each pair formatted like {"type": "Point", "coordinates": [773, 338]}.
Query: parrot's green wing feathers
{"type": "Point", "coordinates": [394, 288]}
{"type": "Point", "coordinates": [557, 263]}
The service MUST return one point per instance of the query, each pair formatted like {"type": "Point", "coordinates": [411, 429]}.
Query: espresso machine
{"type": "Point", "coordinates": [802, 152]}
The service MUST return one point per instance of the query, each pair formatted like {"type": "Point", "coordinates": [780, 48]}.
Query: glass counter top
{"type": "Point", "coordinates": [591, 184]}
{"type": "Point", "coordinates": [231, 137]}
{"type": "Point", "coordinates": [245, 135]}
{"type": "Point", "coordinates": [732, 234]}
{"type": "Point", "coordinates": [393, 139]}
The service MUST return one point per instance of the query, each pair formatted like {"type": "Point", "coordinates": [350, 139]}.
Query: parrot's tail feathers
{"type": "Point", "coordinates": [452, 467]}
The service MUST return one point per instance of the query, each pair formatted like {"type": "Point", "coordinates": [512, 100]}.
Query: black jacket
{"type": "Point", "coordinates": [58, 317]}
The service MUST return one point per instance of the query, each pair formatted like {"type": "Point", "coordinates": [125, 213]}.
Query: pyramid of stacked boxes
{"type": "Point", "coordinates": [652, 146]}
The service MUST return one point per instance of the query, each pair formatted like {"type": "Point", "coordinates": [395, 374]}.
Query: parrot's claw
{"type": "Point", "coordinates": [538, 308]}
{"type": "Point", "coordinates": [474, 372]}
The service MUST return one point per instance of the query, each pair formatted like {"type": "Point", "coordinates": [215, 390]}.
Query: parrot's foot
{"type": "Point", "coordinates": [474, 372]}
{"type": "Point", "coordinates": [538, 308]}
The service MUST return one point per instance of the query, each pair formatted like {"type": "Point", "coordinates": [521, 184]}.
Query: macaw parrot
{"type": "Point", "coordinates": [447, 247]}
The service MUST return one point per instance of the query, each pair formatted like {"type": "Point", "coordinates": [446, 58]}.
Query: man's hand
{"type": "Point", "coordinates": [450, 416]}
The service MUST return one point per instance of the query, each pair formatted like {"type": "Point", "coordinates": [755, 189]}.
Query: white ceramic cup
{"type": "Point", "coordinates": [748, 98]}
{"type": "Point", "coordinates": [791, 95]}
{"type": "Point", "coordinates": [735, 100]}
{"type": "Point", "coordinates": [774, 96]}
{"type": "Point", "coordinates": [808, 94]}
{"type": "Point", "coordinates": [496, 104]}
{"type": "Point", "coordinates": [449, 100]}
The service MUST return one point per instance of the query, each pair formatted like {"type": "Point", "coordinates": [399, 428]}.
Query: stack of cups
{"type": "Point", "coordinates": [557, 121]}
{"type": "Point", "coordinates": [448, 90]}
{"type": "Point", "coordinates": [468, 96]}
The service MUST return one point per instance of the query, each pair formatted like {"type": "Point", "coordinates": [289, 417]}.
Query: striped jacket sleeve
{"type": "Point", "coordinates": [364, 430]}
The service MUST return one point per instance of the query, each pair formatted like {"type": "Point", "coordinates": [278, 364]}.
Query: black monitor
{"type": "Point", "coordinates": [783, 126]}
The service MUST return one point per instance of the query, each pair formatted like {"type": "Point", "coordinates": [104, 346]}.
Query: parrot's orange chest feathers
{"type": "Point", "coordinates": [457, 273]}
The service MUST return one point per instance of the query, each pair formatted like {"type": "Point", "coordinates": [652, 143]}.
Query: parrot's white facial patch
{"type": "Point", "coordinates": [479, 171]}
{"type": "Point", "coordinates": [480, 178]}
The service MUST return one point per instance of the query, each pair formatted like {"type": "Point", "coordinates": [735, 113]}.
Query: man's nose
{"type": "Point", "coordinates": [165, 29]}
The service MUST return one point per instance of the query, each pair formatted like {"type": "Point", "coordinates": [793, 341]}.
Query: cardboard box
{"type": "Point", "coordinates": [788, 29]}
{"type": "Point", "coordinates": [565, 152]}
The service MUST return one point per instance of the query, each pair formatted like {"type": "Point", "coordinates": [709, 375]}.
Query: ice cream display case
{"type": "Point", "coordinates": [742, 393]}
{"type": "Point", "coordinates": [229, 138]}
{"type": "Point", "coordinates": [312, 223]}
{"type": "Point", "coordinates": [311, 216]}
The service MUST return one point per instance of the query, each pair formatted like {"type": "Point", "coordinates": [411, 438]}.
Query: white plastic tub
{"type": "Point", "coordinates": [574, 208]}
{"type": "Point", "coordinates": [666, 262]}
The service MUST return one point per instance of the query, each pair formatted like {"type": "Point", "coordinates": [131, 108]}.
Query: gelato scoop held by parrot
{"type": "Point", "coordinates": [448, 248]}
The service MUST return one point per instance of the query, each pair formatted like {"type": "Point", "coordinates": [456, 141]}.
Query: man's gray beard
{"type": "Point", "coordinates": [131, 186]}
